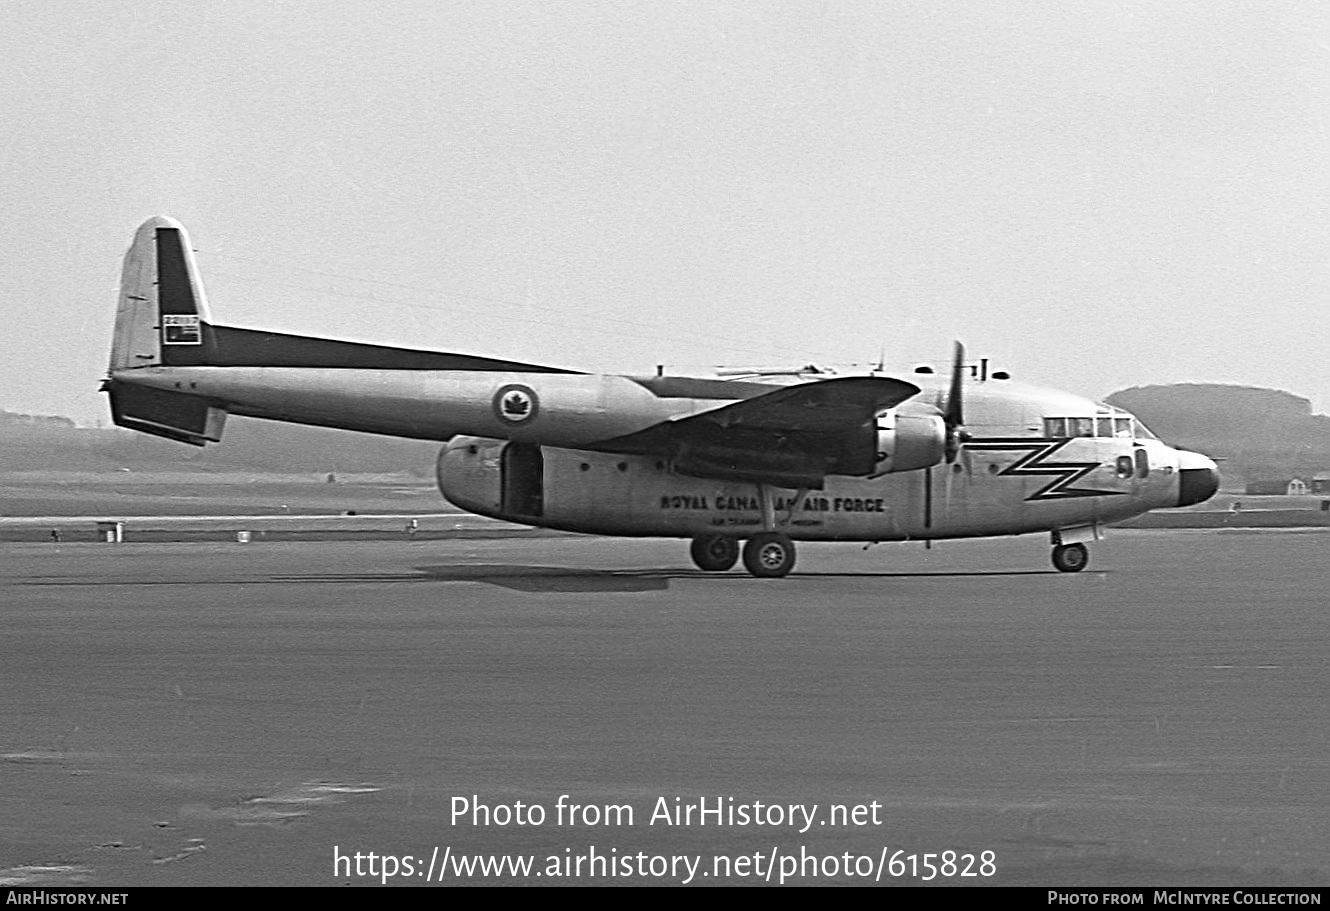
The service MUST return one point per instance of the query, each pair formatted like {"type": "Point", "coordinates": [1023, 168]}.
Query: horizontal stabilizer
{"type": "Point", "coordinates": [175, 415]}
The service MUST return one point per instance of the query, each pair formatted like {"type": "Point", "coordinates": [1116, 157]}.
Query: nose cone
{"type": "Point", "coordinates": [1198, 478]}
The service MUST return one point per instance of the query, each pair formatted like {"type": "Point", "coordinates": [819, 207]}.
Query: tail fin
{"type": "Point", "coordinates": [162, 313]}
{"type": "Point", "coordinates": [159, 279]}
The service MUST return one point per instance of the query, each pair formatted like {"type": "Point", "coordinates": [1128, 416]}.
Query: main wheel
{"type": "Point", "coordinates": [769, 555]}
{"type": "Point", "coordinates": [1070, 558]}
{"type": "Point", "coordinates": [714, 553]}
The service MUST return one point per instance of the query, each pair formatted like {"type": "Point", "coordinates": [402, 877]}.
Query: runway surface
{"type": "Point", "coordinates": [213, 713]}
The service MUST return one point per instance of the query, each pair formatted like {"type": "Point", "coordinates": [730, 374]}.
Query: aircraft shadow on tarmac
{"type": "Point", "coordinates": [566, 579]}
{"type": "Point", "coordinates": [535, 578]}
{"type": "Point", "coordinates": [551, 578]}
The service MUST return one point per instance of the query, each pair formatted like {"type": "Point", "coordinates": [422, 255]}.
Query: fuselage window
{"type": "Point", "coordinates": [1122, 428]}
{"type": "Point", "coordinates": [1125, 467]}
{"type": "Point", "coordinates": [1055, 428]}
{"type": "Point", "coordinates": [1103, 427]}
{"type": "Point", "coordinates": [1083, 427]}
{"type": "Point", "coordinates": [1142, 464]}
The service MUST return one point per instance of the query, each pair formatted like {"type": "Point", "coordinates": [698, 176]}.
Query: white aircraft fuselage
{"type": "Point", "coordinates": [1010, 478]}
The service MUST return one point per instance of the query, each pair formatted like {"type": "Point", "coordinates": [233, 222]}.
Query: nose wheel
{"type": "Point", "coordinates": [1070, 558]}
{"type": "Point", "coordinates": [769, 555]}
{"type": "Point", "coordinates": [714, 553]}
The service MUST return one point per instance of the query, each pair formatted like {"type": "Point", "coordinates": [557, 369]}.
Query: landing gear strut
{"type": "Point", "coordinates": [714, 553]}
{"type": "Point", "coordinates": [1070, 558]}
{"type": "Point", "coordinates": [769, 555]}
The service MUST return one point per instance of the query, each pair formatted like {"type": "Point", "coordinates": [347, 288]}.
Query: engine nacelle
{"type": "Point", "coordinates": [909, 441]}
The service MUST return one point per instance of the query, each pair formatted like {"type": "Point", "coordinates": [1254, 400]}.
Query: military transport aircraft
{"type": "Point", "coordinates": [767, 457]}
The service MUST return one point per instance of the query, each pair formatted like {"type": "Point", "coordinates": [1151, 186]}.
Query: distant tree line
{"type": "Point", "coordinates": [32, 443]}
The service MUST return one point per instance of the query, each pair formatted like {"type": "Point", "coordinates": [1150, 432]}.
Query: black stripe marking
{"type": "Point", "coordinates": [174, 294]}
{"type": "Point", "coordinates": [1037, 463]}
{"type": "Point", "coordinates": [227, 346]}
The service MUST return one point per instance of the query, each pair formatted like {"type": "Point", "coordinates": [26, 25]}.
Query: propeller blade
{"type": "Point", "coordinates": [954, 412]}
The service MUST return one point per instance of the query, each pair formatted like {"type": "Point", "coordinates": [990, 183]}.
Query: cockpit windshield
{"type": "Point", "coordinates": [1141, 431]}
{"type": "Point", "coordinates": [1106, 424]}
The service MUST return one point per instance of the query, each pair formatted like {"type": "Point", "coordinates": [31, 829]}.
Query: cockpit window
{"type": "Point", "coordinates": [1103, 426]}
{"type": "Point", "coordinates": [1141, 431]}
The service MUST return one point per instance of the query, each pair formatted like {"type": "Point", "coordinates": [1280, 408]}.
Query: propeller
{"type": "Point", "coordinates": [953, 412]}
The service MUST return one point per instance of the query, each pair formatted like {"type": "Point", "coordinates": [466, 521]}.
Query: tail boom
{"type": "Point", "coordinates": [163, 331]}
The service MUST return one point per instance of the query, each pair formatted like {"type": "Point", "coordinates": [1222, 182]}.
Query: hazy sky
{"type": "Point", "coordinates": [1092, 194]}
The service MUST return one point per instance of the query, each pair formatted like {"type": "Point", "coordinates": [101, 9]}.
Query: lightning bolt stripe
{"type": "Point", "coordinates": [1038, 463]}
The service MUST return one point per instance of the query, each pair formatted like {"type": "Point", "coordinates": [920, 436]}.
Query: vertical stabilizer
{"type": "Point", "coordinates": [162, 303]}
{"type": "Point", "coordinates": [162, 312]}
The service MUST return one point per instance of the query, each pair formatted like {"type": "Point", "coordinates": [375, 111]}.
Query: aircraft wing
{"type": "Point", "coordinates": [793, 436]}
{"type": "Point", "coordinates": [820, 406]}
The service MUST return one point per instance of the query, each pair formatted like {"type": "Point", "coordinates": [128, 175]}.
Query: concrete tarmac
{"type": "Point", "coordinates": [217, 713]}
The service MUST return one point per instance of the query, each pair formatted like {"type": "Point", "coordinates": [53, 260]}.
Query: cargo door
{"type": "Point", "coordinates": [522, 470]}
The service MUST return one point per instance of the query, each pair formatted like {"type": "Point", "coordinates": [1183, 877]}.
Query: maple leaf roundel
{"type": "Point", "coordinates": [515, 404]}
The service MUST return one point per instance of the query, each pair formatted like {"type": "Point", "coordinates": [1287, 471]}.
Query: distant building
{"type": "Point", "coordinates": [1279, 487]}
{"type": "Point", "coordinates": [1321, 482]}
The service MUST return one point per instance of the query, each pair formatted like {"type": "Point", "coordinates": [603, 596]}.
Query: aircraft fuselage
{"type": "Point", "coordinates": [1009, 478]}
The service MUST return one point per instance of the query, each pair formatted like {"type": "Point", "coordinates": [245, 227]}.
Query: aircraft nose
{"type": "Point", "coordinates": [1198, 478]}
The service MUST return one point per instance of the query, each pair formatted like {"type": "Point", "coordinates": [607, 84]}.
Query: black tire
{"type": "Point", "coordinates": [714, 553]}
{"type": "Point", "coordinates": [1071, 558]}
{"type": "Point", "coordinates": [769, 555]}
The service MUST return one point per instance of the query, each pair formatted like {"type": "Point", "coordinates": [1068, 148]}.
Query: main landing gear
{"type": "Point", "coordinates": [767, 555]}
{"type": "Point", "coordinates": [714, 553]}
{"type": "Point", "coordinates": [1070, 558]}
